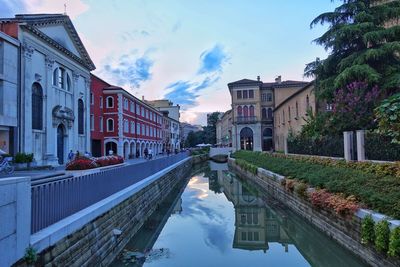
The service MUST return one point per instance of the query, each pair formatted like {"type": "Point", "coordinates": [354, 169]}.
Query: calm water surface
{"type": "Point", "coordinates": [215, 219]}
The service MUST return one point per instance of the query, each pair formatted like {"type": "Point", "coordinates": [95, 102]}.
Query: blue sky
{"type": "Point", "coordinates": [188, 50]}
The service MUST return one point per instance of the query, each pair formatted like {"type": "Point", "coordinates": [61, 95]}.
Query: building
{"type": "Point", "coordinates": [121, 123]}
{"type": "Point", "coordinates": [54, 84]}
{"type": "Point", "coordinates": [171, 120]}
{"type": "Point", "coordinates": [9, 85]}
{"type": "Point", "coordinates": [291, 114]}
{"type": "Point", "coordinates": [186, 128]}
{"type": "Point", "coordinates": [252, 111]}
{"type": "Point", "coordinates": [224, 130]}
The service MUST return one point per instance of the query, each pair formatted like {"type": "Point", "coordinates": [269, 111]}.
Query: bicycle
{"type": "Point", "coordinates": [6, 166]}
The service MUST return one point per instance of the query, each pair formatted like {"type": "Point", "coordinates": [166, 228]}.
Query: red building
{"type": "Point", "coordinates": [121, 123]}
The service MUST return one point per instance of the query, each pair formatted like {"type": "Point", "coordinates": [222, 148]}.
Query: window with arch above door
{"type": "Point", "coordinates": [61, 79]}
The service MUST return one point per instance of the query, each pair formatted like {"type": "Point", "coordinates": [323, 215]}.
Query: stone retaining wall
{"type": "Point", "coordinates": [101, 240]}
{"type": "Point", "coordinates": [345, 232]}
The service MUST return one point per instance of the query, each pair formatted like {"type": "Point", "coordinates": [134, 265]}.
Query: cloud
{"type": "Point", "coordinates": [181, 93]}
{"type": "Point", "coordinates": [186, 92]}
{"type": "Point", "coordinates": [134, 35]}
{"type": "Point", "coordinates": [130, 70]}
{"type": "Point", "coordinates": [213, 60]}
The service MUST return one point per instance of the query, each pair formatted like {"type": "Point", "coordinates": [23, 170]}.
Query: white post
{"type": "Point", "coordinates": [348, 142]}
{"type": "Point", "coordinates": [285, 146]}
{"type": "Point", "coordinates": [360, 145]}
{"type": "Point", "coordinates": [15, 219]}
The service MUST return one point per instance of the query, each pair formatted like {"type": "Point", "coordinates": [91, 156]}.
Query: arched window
{"type": "Point", "coordinates": [239, 111]}
{"type": "Point", "coordinates": [37, 107]}
{"type": "Point", "coordinates": [61, 79]}
{"type": "Point", "coordinates": [245, 111]}
{"type": "Point", "coordinates": [110, 102]}
{"type": "Point", "coordinates": [270, 115]}
{"type": "Point", "coordinates": [110, 125]}
{"type": "Point", "coordinates": [68, 87]}
{"type": "Point", "coordinates": [251, 111]}
{"type": "Point", "coordinates": [81, 116]}
{"type": "Point", "coordinates": [264, 113]}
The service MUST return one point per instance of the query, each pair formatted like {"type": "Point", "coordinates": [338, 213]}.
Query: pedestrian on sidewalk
{"type": "Point", "coordinates": [146, 153]}
{"type": "Point", "coordinates": [150, 153]}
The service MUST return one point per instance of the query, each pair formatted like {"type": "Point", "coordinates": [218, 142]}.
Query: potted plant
{"type": "Point", "coordinates": [29, 159]}
{"type": "Point", "coordinates": [20, 161]}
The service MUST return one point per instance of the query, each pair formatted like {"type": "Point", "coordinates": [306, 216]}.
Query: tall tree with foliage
{"type": "Point", "coordinates": [362, 47]}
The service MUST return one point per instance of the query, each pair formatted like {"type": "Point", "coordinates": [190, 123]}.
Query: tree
{"type": "Point", "coordinates": [361, 47]}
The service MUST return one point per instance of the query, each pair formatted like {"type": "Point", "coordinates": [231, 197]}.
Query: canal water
{"type": "Point", "coordinates": [213, 218]}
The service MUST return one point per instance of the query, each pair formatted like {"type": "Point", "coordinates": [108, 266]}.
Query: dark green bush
{"type": "Point", "coordinates": [382, 233]}
{"type": "Point", "coordinates": [367, 230]}
{"type": "Point", "coordinates": [394, 243]}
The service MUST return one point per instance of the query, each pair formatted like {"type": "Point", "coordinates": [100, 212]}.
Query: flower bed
{"type": "Point", "coordinates": [372, 185]}
{"type": "Point", "coordinates": [85, 163]}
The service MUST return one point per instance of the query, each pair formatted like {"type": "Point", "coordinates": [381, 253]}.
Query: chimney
{"type": "Point", "coordinates": [278, 79]}
{"type": "Point", "coordinates": [258, 78]}
{"type": "Point", "coordinates": [142, 97]}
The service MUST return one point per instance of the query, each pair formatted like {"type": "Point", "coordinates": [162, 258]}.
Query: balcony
{"type": "Point", "coordinates": [248, 119]}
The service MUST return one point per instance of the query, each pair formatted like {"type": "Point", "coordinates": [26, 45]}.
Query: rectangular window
{"type": "Point", "coordinates": [91, 122]}
{"type": "Point", "coordinates": [91, 99]}
{"type": "Point", "coordinates": [138, 128]}
{"type": "Point", "coordinates": [137, 109]}
{"type": "Point", "coordinates": [269, 97]}
{"type": "Point", "coordinates": [263, 97]}
{"type": "Point", "coordinates": [251, 93]}
{"type": "Point", "coordinates": [132, 107]}
{"type": "Point", "coordinates": [239, 94]}
{"type": "Point", "coordinates": [101, 124]}
{"type": "Point", "coordinates": [245, 94]}
{"type": "Point", "coordinates": [132, 127]}
{"type": "Point", "coordinates": [142, 111]}
{"type": "Point", "coordinates": [101, 102]}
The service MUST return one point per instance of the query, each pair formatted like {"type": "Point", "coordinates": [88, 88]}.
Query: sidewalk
{"type": "Point", "coordinates": [61, 169]}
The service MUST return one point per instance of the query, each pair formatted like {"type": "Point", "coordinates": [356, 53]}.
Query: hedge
{"type": "Point", "coordinates": [377, 191]}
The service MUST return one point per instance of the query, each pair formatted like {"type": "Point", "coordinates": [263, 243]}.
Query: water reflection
{"type": "Point", "coordinates": [220, 220]}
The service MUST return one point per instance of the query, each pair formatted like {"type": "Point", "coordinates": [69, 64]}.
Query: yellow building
{"type": "Point", "coordinates": [291, 114]}
{"type": "Point", "coordinates": [252, 111]}
{"type": "Point", "coordinates": [224, 130]}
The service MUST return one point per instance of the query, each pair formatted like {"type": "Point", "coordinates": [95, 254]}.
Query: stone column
{"type": "Point", "coordinates": [50, 153]}
{"type": "Point", "coordinates": [74, 136]}
{"type": "Point", "coordinates": [348, 144]}
{"type": "Point", "coordinates": [87, 116]}
{"type": "Point", "coordinates": [26, 103]}
{"type": "Point", "coordinates": [15, 219]}
{"type": "Point", "coordinates": [360, 145]}
{"type": "Point", "coordinates": [257, 135]}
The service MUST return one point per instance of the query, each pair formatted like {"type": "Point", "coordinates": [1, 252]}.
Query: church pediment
{"type": "Point", "coordinates": [58, 31]}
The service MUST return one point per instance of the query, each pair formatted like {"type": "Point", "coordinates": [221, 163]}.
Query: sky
{"type": "Point", "coordinates": [189, 50]}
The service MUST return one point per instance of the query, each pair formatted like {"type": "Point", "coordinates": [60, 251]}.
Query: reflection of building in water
{"type": "Point", "coordinates": [178, 207]}
{"type": "Point", "coordinates": [255, 224]}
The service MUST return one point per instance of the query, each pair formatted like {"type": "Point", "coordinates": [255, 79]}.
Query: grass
{"type": "Point", "coordinates": [378, 192]}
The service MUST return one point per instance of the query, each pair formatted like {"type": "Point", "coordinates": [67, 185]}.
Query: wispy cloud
{"type": "Point", "coordinates": [212, 60]}
{"type": "Point", "coordinates": [134, 35]}
{"type": "Point", "coordinates": [186, 92]}
{"type": "Point", "coordinates": [130, 70]}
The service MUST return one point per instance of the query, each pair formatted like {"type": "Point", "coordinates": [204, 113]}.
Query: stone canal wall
{"type": "Point", "coordinates": [98, 242]}
{"type": "Point", "coordinates": [346, 232]}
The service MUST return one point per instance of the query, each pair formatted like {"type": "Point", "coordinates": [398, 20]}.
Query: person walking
{"type": "Point", "coordinates": [70, 155]}
{"type": "Point", "coordinates": [150, 153]}
{"type": "Point", "coordinates": [146, 153]}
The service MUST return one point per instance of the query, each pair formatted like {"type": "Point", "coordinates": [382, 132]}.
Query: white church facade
{"type": "Point", "coordinates": [54, 87]}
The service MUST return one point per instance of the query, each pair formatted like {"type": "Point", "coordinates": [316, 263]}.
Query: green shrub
{"type": "Point", "coordinates": [382, 233]}
{"type": "Point", "coordinates": [20, 158]}
{"type": "Point", "coordinates": [29, 157]}
{"type": "Point", "coordinates": [367, 230]}
{"type": "Point", "coordinates": [394, 243]}
{"type": "Point", "coordinates": [30, 255]}
{"type": "Point", "coordinates": [301, 190]}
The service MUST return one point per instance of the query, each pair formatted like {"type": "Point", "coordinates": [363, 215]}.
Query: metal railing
{"type": "Point", "coordinates": [54, 199]}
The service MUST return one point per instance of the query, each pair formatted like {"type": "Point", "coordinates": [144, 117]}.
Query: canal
{"type": "Point", "coordinates": [213, 218]}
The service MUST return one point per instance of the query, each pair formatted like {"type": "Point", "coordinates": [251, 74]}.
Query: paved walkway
{"type": "Point", "coordinates": [61, 170]}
